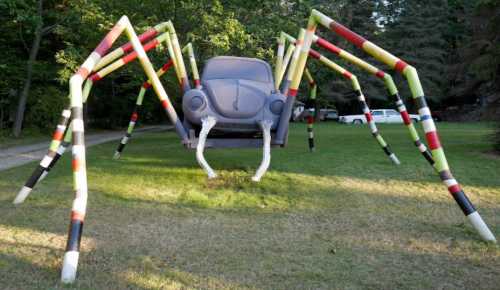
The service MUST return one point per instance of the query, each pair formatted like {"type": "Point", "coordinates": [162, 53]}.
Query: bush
{"type": "Point", "coordinates": [44, 107]}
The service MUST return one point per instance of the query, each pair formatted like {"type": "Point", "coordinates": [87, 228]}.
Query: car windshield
{"type": "Point", "coordinates": [392, 113]}
{"type": "Point", "coordinates": [377, 113]}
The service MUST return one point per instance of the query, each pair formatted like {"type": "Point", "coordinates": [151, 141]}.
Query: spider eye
{"type": "Point", "coordinates": [276, 107]}
{"type": "Point", "coordinates": [196, 103]}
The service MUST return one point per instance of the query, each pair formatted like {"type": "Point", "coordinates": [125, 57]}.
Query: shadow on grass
{"type": "Point", "coordinates": [342, 218]}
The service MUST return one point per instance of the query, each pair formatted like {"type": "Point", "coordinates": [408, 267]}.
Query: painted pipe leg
{"type": "Point", "coordinates": [40, 171]}
{"type": "Point", "coordinates": [481, 227]}
{"type": "Point", "coordinates": [121, 146]}
{"type": "Point", "coordinates": [128, 135]}
{"type": "Point", "coordinates": [377, 136]}
{"type": "Point", "coordinates": [310, 132]}
{"type": "Point", "coordinates": [60, 151]}
{"type": "Point", "coordinates": [207, 123]}
{"type": "Point", "coordinates": [266, 158]}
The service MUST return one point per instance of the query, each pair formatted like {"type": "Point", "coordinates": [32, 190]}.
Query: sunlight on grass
{"type": "Point", "coordinates": [341, 217]}
{"type": "Point", "coordinates": [38, 248]}
{"type": "Point", "coordinates": [154, 277]}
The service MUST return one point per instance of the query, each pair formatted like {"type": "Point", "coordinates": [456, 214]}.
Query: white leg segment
{"type": "Point", "coordinates": [70, 265]}
{"type": "Point", "coordinates": [207, 123]}
{"type": "Point", "coordinates": [394, 159]}
{"type": "Point", "coordinates": [481, 227]}
{"type": "Point", "coordinates": [22, 195]}
{"type": "Point", "coordinates": [266, 159]}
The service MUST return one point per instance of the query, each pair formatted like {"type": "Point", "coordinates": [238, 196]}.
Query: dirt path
{"type": "Point", "coordinates": [20, 155]}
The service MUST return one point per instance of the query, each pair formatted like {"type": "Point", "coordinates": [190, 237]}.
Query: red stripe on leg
{"type": "Point", "coordinates": [310, 119]}
{"type": "Point", "coordinates": [75, 164]}
{"type": "Point", "coordinates": [314, 54]}
{"type": "Point", "coordinates": [133, 55]}
{"type": "Point", "coordinates": [347, 74]}
{"type": "Point", "coordinates": [292, 92]}
{"type": "Point", "coordinates": [134, 117]}
{"type": "Point", "coordinates": [400, 66]}
{"type": "Point", "coordinates": [197, 83]}
{"type": "Point", "coordinates": [146, 85]}
{"type": "Point", "coordinates": [129, 57]}
{"type": "Point", "coordinates": [454, 189]}
{"type": "Point", "coordinates": [167, 66]}
{"type": "Point", "coordinates": [380, 74]}
{"type": "Point", "coordinates": [331, 47]}
{"type": "Point", "coordinates": [152, 44]}
{"type": "Point", "coordinates": [77, 216]}
{"type": "Point", "coordinates": [83, 72]}
{"type": "Point", "coordinates": [58, 135]}
{"type": "Point", "coordinates": [346, 33]}
{"type": "Point", "coordinates": [108, 40]}
{"type": "Point", "coordinates": [164, 104]}
{"type": "Point", "coordinates": [433, 140]}
{"type": "Point", "coordinates": [143, 37]}
{"type": "Point", "coordinates": [95, 77]}
{"type": "Point", "coordinates": [406, 117]}
{"type": "Point", "coordinates": [368, 117]}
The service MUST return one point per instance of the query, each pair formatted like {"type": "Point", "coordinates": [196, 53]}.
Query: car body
{"type": "Point", "coordinates": [379, 116]}
{"type": "Point", "coordinates": [324, 114]}
{"type": "Point", "coordinates": [300, 113]}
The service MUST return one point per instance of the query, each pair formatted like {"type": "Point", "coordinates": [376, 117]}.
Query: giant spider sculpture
{"type": "Point", "coordinates": [238, 102]}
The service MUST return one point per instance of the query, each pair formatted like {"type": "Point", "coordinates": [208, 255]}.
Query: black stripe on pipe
{"type": "Point", "coordinates": [120, 148]}
{"type": "Point", "coordinates": [78, 138]}
{"type": "Point", "coordinates": [311, 144]}
{"type": "Point", "coordinates": [387, 150]}
{"type": "Point", "coordinates": [35, 176]}
{"type": "Point", "coordinates": [128, 135]}
{"type": "Point", "coordinates": [464, 202]}
{"type": "Point", "coordinates": [375, 134]}
{"type": "Point", "coordinates": [421, 102]}
{"type": "Point", "coordinates": [74, 235]}
{"type": "Point", "coordinates": [77, 113]}
{"type": "Point", "coordinates": [57, 156]}
{"type": "Point", "coordinates": [53, 162]}
{"type": "Point", "coordinates": [395, 96]}
{"type": "Point", "coordinates": [428, 157]}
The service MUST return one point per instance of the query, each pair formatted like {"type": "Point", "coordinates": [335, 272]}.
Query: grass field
{"type": "Point", "coordinates": [343, 217]}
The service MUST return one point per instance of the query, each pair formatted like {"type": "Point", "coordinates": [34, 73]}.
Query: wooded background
{"type": "Point", "coordinates": [454, 45]}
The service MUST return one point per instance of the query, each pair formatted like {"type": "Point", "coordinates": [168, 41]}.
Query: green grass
{"type": "Point", "coordinates": [28, 136]}
{"type": "Point", "coordinates": [343, 217]}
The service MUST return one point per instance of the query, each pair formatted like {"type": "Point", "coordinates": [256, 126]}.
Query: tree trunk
{"type": "Point", "coordinates": [21, 106]}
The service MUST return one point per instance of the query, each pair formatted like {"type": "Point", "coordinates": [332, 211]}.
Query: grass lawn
{"type": "Point", "coordinates": [343, 217]}
{"type": "Point", "coordinates": [28, 136]}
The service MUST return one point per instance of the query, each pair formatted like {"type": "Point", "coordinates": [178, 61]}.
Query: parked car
{"type": "Point", "coordinates": [301, 114]}
{"type": "Point", "coordinates": [331, 115]}
{"type": "Point", "coordinates": [324, 114]}
{"type": "Point", "coordinates": [379, 116]}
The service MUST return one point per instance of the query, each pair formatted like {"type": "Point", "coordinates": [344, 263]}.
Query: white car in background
{"type": "Point", "coordinates": [379, 116]}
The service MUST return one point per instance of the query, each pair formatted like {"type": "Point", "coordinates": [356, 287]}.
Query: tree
{"type": "Point", "coordinates": [33, 18]}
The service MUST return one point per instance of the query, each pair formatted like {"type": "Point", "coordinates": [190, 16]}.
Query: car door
{"type": "Point", "coordinates": [392, 116]}
{"type": "Point", "coordinates": [378, 116]}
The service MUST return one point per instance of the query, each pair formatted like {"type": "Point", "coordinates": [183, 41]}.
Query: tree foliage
{"type": "Point", "coordinates": [453, 44]}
